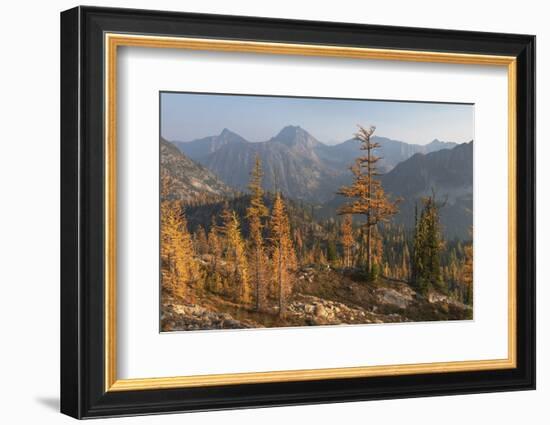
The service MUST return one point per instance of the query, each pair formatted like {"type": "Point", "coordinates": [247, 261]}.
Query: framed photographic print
{"type": "Point", "coordinates": [261, 212]}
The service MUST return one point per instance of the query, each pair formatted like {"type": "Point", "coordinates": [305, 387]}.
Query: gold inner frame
{"type": "Point", "coordinates": [113, 41]}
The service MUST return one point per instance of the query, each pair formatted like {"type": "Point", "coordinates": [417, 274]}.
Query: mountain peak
{"type": "Point", "coordinates": [226, 132]}
{"type": "Point", "coordinates": [228, 136]}
{"type": "Point", "coordinates": [437, 142]}
{"type": "Point", "coordinates": [199, 148]}
{"type": "Point", "coordinates": [290, 130]}
{"type": "Point", "coordinates": [294, 135]}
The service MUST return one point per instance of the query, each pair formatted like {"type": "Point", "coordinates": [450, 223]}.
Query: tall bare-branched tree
{"type": "Point", "coordinates": [366, 191]}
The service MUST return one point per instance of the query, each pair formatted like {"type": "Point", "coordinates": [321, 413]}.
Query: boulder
{"type": "Point", "coordinates": [393, 297]}
{"type": "Point", "coordinates": [321, 311]}
{"type": "Point", "coordinates": [436, 297]}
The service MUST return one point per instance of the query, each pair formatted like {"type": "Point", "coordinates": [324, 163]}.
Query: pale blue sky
{"type": "Point", "coordinates": [188, 116]}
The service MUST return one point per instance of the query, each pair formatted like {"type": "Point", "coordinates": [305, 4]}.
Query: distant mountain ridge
{"type": "Point", "coordinates": [294, 161]}
{"type": "Point", "coordinates": [392, 151]}
{"type": "Point", "coordinates": [449, 173]}
{"type": "Point", "coordinates": [448, 168]}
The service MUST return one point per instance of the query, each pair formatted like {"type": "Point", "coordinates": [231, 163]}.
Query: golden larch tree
{"type": "Point", "coordinates": [299, 242]}
{"type": "Point", "coordinates": [215, 251]}
{"type": "Point", "coordinates": [369, 198]}
{"type": "Point", "coordinates": [179, 268]}
{"type": "Point", "coordinates": [467, 273]}
{"type": "Point", "coordinates": [404, 270]}
{"type": "Point", "coordinates": [347, 239]}
{"type": "Point", "coordinates": [283, 255]}
{"type": "Point", "coordinates": [236, 256]}
{"type": "Point", "coordinates": [255, 214]}
{"type": "Point", "coordinates": [201, 241]}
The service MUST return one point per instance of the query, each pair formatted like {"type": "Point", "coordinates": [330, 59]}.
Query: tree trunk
{"type": "Point", "coordinates": [281, 289]}
{"type": "Point", "coordinates": [369, 253]}
{"type": "Point", "coordinates": [258, 303]}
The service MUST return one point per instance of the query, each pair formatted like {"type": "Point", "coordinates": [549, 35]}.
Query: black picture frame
{"type": "Point", "coordinates": [83, 392]}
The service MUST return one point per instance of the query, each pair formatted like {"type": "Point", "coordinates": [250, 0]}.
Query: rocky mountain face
{"type": "Point", "coordinates": [442, 170]}
{"type": "Point", "coordinates": [200, 148]}
{"type": "Point", "coordinates": [295, 137]}
{"type": "Point", "coordinates": [289, 160]}
{"type": "Point", "coordinates": [188, 179]}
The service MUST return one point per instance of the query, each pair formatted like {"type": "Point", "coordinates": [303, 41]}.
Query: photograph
{"type": "Point", "coordinates": [281, 211]}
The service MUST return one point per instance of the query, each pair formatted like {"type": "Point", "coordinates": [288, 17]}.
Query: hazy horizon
{"type": "Point", "coordinates": [189, 116]}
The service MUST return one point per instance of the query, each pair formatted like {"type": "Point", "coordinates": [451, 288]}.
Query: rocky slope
{"type": "Point", "coordinates": [190, 317]}
{"type": "Point", "coordinates": [321, 296]}
{"type": "Point", "coordinates": [188, 179]}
